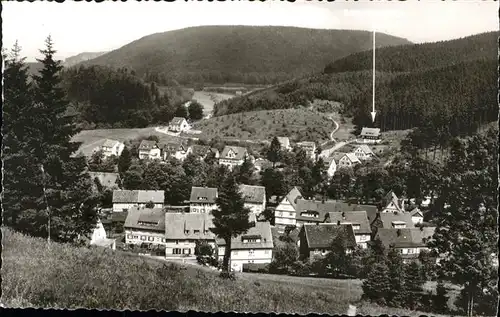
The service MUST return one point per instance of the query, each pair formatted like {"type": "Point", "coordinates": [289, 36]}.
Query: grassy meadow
{"type": "Point", "coordinates": [297, 124]}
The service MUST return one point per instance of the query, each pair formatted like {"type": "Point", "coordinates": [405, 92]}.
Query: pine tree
{"type": "Point", "coordinates": [274, 151]}
{"type": "Point", "coordinates": [414, 285]}
{"type": "Point", "coordinates": [376, 286]}
{"type": "Point", "coordinates": [231, 218]}
{"type": "Point", "coordinates": [440, 300]}
{"type": "Point", "coordinates": [396, 278]}
{"type": "Point", "coordinates": [244, 172]}
{"type": "Point", "coordinates": [124, 161]}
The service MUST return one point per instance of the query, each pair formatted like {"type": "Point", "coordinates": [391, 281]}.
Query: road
{"type": "Point", "coordinates": [333, 132]}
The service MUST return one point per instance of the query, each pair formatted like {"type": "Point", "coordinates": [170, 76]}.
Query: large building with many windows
{"type": "Point", "coordinates": [145, 226]}
{"type": "Point", "coordinates": [183, 230]}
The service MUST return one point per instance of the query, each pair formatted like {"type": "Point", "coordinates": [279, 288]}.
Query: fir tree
{"type": "Point", "coordinates": [396, 278]}
{"type": "Point", "coordinates": [195, 110]}
{"type": "Point", "coordinates": [231, 218]}
{"type": "Point", "coordinates": [440, 300]}
{"type": "Point", "coordinates": [124, 161]}
{"type": "Point", "coordinates": [274, 151]}
{"type": "Point", "coordinates": [376, 286]}
{"type": "Point", "coordinates": [414, 285]}
{"type": "Point", "coordinates": [244, 172]}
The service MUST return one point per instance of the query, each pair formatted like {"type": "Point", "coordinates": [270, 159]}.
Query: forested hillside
{"type": "Point", "coordinates": [244, 54]}
{"type": "Point", "coordinates": [105, 97]}
{"type": "Point", "coordinates": [421, 56]}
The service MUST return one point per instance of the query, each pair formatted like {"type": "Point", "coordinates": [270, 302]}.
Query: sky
{"type": "Point", "coordinates": [78, 27]}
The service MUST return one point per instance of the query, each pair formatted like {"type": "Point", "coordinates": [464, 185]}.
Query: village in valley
{"type": "Point", "coordinates": [253, 169]}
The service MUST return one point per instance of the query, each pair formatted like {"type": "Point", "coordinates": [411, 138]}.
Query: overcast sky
{"type": "Point", "coordinates": [89, 27]}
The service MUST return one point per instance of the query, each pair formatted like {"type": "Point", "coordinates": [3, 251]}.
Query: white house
{"type": "Point", "coordinates": [123, 200]}
{"type": "Point", "coordinates": [417, 216]}
{"type": "Point", "coordinates": [348, 160]}
{"type": "Point", "coordinates": [309, 147]}
{"type": "Point", "coordinates": [391, 203]}
{"type": "Point", "coordinates": [149, 150]}
{"type": "Point", "coordinates": [144, 225]}
{"type": "Point", "coordinates": [285, 143]}
{"type": "Point", "coordinates": [330, 165]}
{"type": "Point", "coordinates": [178, 124]}
{"type": "Point", "coordinates": [285, 212]}
{"type": "Point", "coordinates": [233, 156]}
{"type": "Point", "coordinates": [255, 247]}
{"type": "Point", "coordinates": [359, 222]}
{"type": "Point", "coordinates": [110, 148]}
{"type": "Point", "coordinates": [182, 230]}
{"type": "Point", "coordinates": [255, 198]}
{"type": "Point", "coordinates": [409, 242]}
{"type": "Point", "coordinates": [363, 152]}
{"type": "Point", "coordinates": [202, 200]}
{"type": "Point", "coordinates": [178, 150]}
{"type": "Point", "coordinates": [370, 136]}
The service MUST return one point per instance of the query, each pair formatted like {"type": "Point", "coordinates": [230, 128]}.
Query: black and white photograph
{"type": "Point", "coordinates": [330, 157]}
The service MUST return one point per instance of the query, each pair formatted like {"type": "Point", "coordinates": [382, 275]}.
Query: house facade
{"type": "Point", "coordinates": [348, 160]}
{"type": "Point", "coordinates": [145, 226]}
{"type": "Point", "coordinates": [364, 153]}
{"type": "Point", "coordinates": [391, 203]}
{"type": "Point", "coordinates": [253, 247]}
{"type": "Point", "coordinates": [254, 197]}
{"type": "Point", "coordinates": [316, 239]}
{"type": "Point", "coordinates": [124, 200]}
{"type": "Point", "coordinates": [285, 212]}
{"type": "Point", "coordinates": [309, 148]}
{"type": "Point", "coordinates": [416, 216]}
{"type": "Point", "coordinates": [233, 156]}
{"type": "Point", "coordinates": [178, 124]}
{"type": "Point", "coordinates": [285, 143]}
{"type": "Point", "coordinates": [201, 151]}
{"type": "Point", "coordinates": [369, 136]}
{"type": "Point", "coordinates": [359, 222]}
{"type": "Point", "coordinates": [183, 230]}
{"type": "Point", "coordinates": [110, 148]}
{"type": "Point", "coordinates": [202, 200]}
{"type": "Point", "coordinates": [409, 241]}
{"type": "Point", "coordinates": [330, 165]}
{"type": "Point", "coordinates": [312, 211]}
{"type": "Point", "coordinates": [149, 150]}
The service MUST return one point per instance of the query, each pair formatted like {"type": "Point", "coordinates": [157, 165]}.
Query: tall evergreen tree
{"type": "Point", "coordinates": [124, 161]}
{"type": "Point", "coordinates": [376, 286]}
{"type": "Point", "coordinates": [414, 285]}
{"type": "Point", "coordinates": [396, 278]}
{"type": "Point", "coordinates": [274, 151]}
{"type": "Point", "coordinates": [231, 218]}
{"type": "Point", "coordinates": [244, 172]}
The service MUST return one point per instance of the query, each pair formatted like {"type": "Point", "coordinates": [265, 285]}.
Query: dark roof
{"type": "Point", "coordinates": [203, 195]}
{"type": "Point", "coordinates": [354, 217]}
{"type": "Point", "coordinates": [314, 206]}
{"type": "Point", "coordinates": [370, 132]}
{"type": "Point", "coordinates": [253, 194]}
{"type": "Point", "coordinates": [388, 218]}
{"type": "Point", "coordinates": [177, 120]}
{"type": "Point", "coordinates": [321, 235]}
{"type": "Point", "coordinates": [240, 152]}
{"type": "Point", "coordinates": [371, 210]}
{"type": "Point", "coordinates": [147, 145]}
{"type": "Point", "coordinates": [173, 147]}
{"type": "Point", "coordinates": [138, 196]}
{"type": "Point", "coordinates": [181, 226]}
{"type": "Point", "coordinates": [261, 230]}
{"type": "Point", "coordinates": [405, 238]}
{"type": "Point", "coordinates": [146, 219]}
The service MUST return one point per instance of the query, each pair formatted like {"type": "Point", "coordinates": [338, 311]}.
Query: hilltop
{"type": "Point", "coordinates": [85, 56]}
{"type": "Point", "coordinates": [245, 54]}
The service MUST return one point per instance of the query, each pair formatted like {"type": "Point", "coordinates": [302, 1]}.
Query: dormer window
{"type": "Point", "coordinates": [355, 226]}
{"type": "Point", "coordinates": [186, 231]}
{"type": "Point", "coordinates": [196, 231]}
{"type": "Point", "coordinates": [398, 224]}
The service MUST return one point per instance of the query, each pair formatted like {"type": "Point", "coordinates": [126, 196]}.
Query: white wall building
{"type": "Point", "coordinates": [110, 148]}
{"type": "Point", "coordinates": [285, 212]}
{"type": "Point", "coordinates": [255, 198]}
{"type": "Point", "coordinates": [202, 200]}
{"type": "Point", "coordinates": [123, 200]}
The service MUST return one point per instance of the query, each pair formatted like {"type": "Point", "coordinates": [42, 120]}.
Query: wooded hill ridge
{"type": "Point", "coordinates": [244, 54]}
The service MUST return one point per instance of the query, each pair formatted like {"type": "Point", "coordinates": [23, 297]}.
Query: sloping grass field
{"type": "Point", "coordinates": [297, 124]}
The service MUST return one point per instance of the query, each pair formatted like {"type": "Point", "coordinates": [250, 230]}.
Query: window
{"type": "Point", "coordinates": [163, 240]}
{"type": "Point", "coordinates": [176, 251]}
{"type": "Point", "coordinates": [362, 237]}
{"type": "Point", "coordinates": [176, 241]}
{"type": "Point", "coordinates": [151, 239]}
{"type": "Point", "coordinates": [129, 236]}
{"type": "Point", "coordinates": [143, 238]}
{"type": "Point", "coordinates": [196, 231]}
{"type": "Point", "coordinates": [186, 251]}
{"type": "Point", "coordinates": [186, 231]}
{"type": "Point", "coordinates": [250, 252]}
{"type": "Point", "coordinates": [136, 237]}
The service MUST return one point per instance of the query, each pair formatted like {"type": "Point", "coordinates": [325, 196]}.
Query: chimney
{"type": "Point", "coordinates": [338, 222]}
{"type": "Point", "coordinates": [398, 232]}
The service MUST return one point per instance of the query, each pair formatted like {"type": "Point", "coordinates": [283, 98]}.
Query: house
{"type": "Point", "coordinates": [285, 212]}
{"type": "Point", "coordinates": [202, 151]}
{"type": "Point", "coordinates": [408, 241]}
{"type": "Point", "coordinates": [182, 230]}
{"type": "Point", "coordinates": [312, 211]}
{"type": "Point", "coordinates": [255, 198]}
{"type": "Point", "coordinates": [178, 124]}
{"type": "Point", "coordinates": [417, 216]}
{"type": "Point", "coordinates": [285, 143]}
{"type": "Point", "coordinates": [359, 222]}
{"type": "Point", "coordinates": [123, 200]}
{"type": "Point", "coordinates": [178, 150]}
{"type": "Point", "coordinates": [363, 152]}
{"type": "Point", "coordinates": [391, 203]}
{"type": "Point", "coordinates": [330, 166]}
{"type": "Point", "coordinates": [202, 200]}
{"type": "Point", "coordinates": [261, 165]}
{"type": "Point", "coordinates": [348, 160]}
{"type": "Point", "coordinates": [149, 150]}
{"type": "Point", "coordinates": [107, 180]}
{"type": "Point", "coordinates": [392, 220]}
{"type": "Point", "coordinates": [98, 237]}
{"type": "Point", "coordinates": [144, 225]}
{"type": "Point", "coordinates": [110, 147]}
{"type": "Point", "coordinates": [253, 247]}
{"type": "Point", "coordinates": [309, 147]}
{"type": "Point", "coordinates": [369, 135]}
{"type": "Point", "coordinates": [233, 156]}
{"type": "Point", "coordinates": [316, 239]}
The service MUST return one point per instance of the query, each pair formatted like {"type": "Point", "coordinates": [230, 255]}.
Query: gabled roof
{"type": "Point", "coordinates": [293, 196]}
{"type": "Point", "coordinates": [405, 238]}
{"type": "Point", "coordinates": [203, 195]}
{"type": "Point", "coordinates": [261, 230]}
{"type": "Point", "coordinates": [138, 196]}
{"type": "Point", "coordinates": [416, 213]}
{"type": "Point", "coordinates": [327, 161]}
{"type": "Point", "coordinates": [177, 121]}
{"type": "Point", "coordinates": [253, 194]}
{"type": "Point", "coordinates": [106, 179]}
{"type": "Point", "coordinates": [147, 145]}
{"type": "Point", "coordinates": [391, 197]}
{"type": "Point", "coordinates": [239, 151]}
{"type": "Point", "coordinates": [322, 235]}
{"type": "Point", "coordinates": [314, 206]}
{"type": "Point", "coordinates": [371, 211]}
{"type": "Point", "coordinates": [365, 148]}
{"type": "Point", "coordinates": [181, 226]}
{"type": "Point", "coordinates": [374, 132]}
{"type": "Point", "coordinates": [172, 147]}
{"type": "Point", "coordinates": [354, 217]}
{"type": "Point", "coordinates": [145, 219]}
{"type": "Point", "coordinates": [352, 157]}
{"type": "Point", "coordinates": [110, 143]}
{"type": "Point", "coordinates": [388, 218]}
